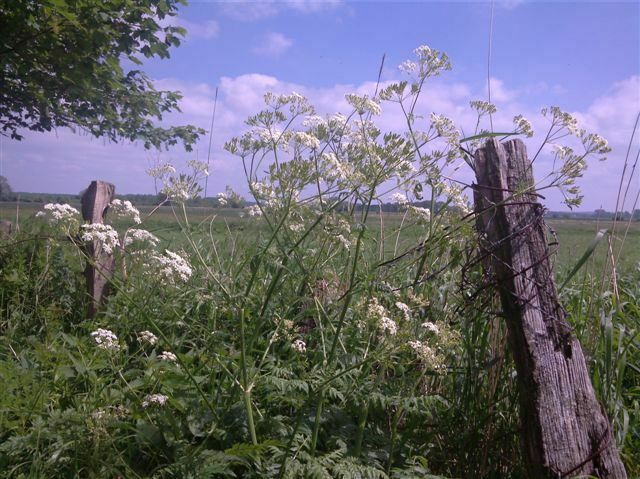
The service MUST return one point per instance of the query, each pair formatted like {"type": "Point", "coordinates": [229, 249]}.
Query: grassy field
{"type": "Point", "coordinates": [573, 236]}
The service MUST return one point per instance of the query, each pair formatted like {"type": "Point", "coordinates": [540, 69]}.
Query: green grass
{"type": "Point", "coordinates": [573, 236]}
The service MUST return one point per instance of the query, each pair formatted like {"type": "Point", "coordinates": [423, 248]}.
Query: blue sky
{"type": "Point", "coordinates": [581, 56]}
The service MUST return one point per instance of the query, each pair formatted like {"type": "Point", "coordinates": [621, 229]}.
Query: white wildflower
{"type": "Point", "coordinates": [388, 325]}
{"type": "Point", "coordinates": [432, 327]}
{"type": "Point", "coordinates": [162, 170]}
{"type": "Point", "coordinates": [154, 399]}
{"type": "Point", "coordinates": [305, 139]}
{"type": "Point", "coordinates": [483, 107]}
{"type": "Point", "coordinates": [344, 241]}
{"type": "Point", "coordinates": [523, 126]}
{"type": "Point", "coordinates": [172, 267]}
{"type": "Point", "coordinates": [126, 210]}
{"type": "Point", "coordinates": [168, 356]}
{"type": "Point", "coordinates": [147, 337]}
{"type": "Point", "coordinates": [399, 199]}
{"type": "Point", "coordinates": [406, 310]}
{"type": "Point", "coordinates": [140, 236]}
{"type": "Point", "coordinates": [423, 351]}
{"type": "Point", "coordinates": [363, 104]}
{"type": "Point", "coordinates": [423, 214]}
{"type": "Point", "coordinates": [222, 199]}
{"type": "Point", "coordinates": [198, 167]}
{"type": "Point", "coordinates": [254, 210]}
{"type": "Point", "coordinates": [106, 237]}
{"type": "Point", "coordinates": [444, 126]}
{"type": "Point", "coordinates": [106, 339]}
{"type": "Point", "coordinates": [59, 214]}
{"type": "Point", "coordinates": [408, 66]}
{"type": "Point", "coordinates": [299, 345]}
{"type": "Point", "coordinates": [379, 314]}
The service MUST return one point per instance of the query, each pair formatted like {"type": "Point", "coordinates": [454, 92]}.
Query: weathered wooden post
{"type": "Point", "coordinates": [100, 265]}
{"type": "Point", "coordinates": [565, 431]}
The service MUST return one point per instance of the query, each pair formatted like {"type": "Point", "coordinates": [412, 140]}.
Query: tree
{"type": "Point", "coordinates": [62, 64]}
{"type": "Point", "coordinates": [6, 193]}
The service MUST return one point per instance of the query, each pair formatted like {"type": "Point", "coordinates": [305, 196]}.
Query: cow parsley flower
{"type": "Point", "coordinates": [147, 337]}
{"type": "Point", "coordinates": [172, 267]}
{"type": "Point", "coordinates": [399, 199]}
{"type": "Point", "coordinates": [60, 214]}
{"type": "Point", "coordinates": [162, 170]}
{"type": "Point", "coordinates": [154, 399]}
{"type": "Point", "coordinates": [168, 356]}
{"type": "Point", "coordinates": [431, 327]}
{"type": "Point", "coordinates": [305, 139]}
{"type": "Point", "coordinates": [483, 107]}
{"type": "Point", "coordinates": [406, 310]}
{"type": "Point", "coordinates": [106, 237]}
{"type": "Point", "coordinates": [379, 314]}
{"type": "Point", "coordinates": [125, 209]}
{"type": "Point", "coordinates": [143, 237]}
{"type": "Point", "coordinates": [523, 126]}
{"type": "Point", "coordinates": [106, 339]}
{"type": "Point", "coordinates": [254, 210]}
{"type": "Point", "coordinates": [363, 104]}
{"type": "Point", "coordinates": [299, 345]}
{"type": "Point", "coordinates": [222, 199]}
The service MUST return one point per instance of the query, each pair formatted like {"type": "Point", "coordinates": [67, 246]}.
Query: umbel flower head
{"type": "Point", "coordinates": [106, 339]}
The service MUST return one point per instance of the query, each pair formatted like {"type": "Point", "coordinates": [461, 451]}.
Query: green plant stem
{"type": "Point", "coordinates": [246, 387]}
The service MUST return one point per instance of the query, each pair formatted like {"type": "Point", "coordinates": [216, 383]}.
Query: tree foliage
{"type": "Point", "coordinates": [63, 64]}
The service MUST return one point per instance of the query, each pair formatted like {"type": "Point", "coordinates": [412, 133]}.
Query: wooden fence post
{"type": "Point", "coordinates": [565, 430]}
{"type": "Point", "coordinates": [100, 265]}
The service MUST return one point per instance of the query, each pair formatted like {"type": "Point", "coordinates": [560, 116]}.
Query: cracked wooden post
{"type": "Point", "coordinates": [565, 430]}
{"type": "Point", "coordinates": [100, 265]}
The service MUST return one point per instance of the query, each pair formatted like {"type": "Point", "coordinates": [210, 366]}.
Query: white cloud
{"type": "Point", "coordinates": [274, 44]}
{"type": "Point", "coordinates": [64, 162]}
{"type": "Point", "coordinates": [250, 11]}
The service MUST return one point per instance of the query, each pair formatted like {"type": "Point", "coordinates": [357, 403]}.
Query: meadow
{"type": "Point", "coordinates": [314, 336]}
{"type": "Point", "coordinates": [190, 385]}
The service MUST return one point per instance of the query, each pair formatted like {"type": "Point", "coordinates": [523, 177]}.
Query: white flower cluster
{"type": "Point", "coordinates": [363, 104]}
{"type": "Point", "coordinates": [399, 199]}
{"type": "Point", "coordinates": [167, 356]}
{"type": "Point", "coordinates": [483, 107]}
{"type": "Point", "coordinates": [199, 168]}
{"type": "Point", "coordinates": [161, 171]}
{"type": "Point", "coordinates": [523, 126]}
{"type": "Point", "coordinates": [422, 214]}
{"type": "Point", "coordinates": [179, 188]}
{"type": "Point", "coordinates": [59, 214]}
{"type": "Point", "coordinates": [172, 267]}
{"type": "Point", "coordinates": [306, 140]}
{"type": "Point", "coordinates": [406, 310]}
{"type": "Point", "coordinates": [154, 399]}
{"type": "Point", "coordinates": [126, 210]}
{"type": "Point", "coordinates": [222, 199]}
{"type": "Point", "coordinates": [147, 337]}
{"type": "Point", "coordinates": [106, 339]}
{"type": "Point", "coordinates": [423, 351]}
{"type": "Point", "coordinates": [431, 327]}
{"type": "Point", "coordinates": [253, 210]}
{"type": "Point", "coordinates": [429, 63]}
{"type": "Point", "coordinates": [299, 345]}
{"type": "Point", "coordinates": [379, 313]}
{"type": "Point", "coordinates": [562, 118]}
{"type": "Point", "coordinates": [140, 236]}
{"type": "Point", "coordinates": [104, 235]}
{"type": "Point", "coordinates": [445, 128]}
{"type": "Point", "coordinates": [594, 143]}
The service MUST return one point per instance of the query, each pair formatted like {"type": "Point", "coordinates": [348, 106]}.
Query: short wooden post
{"type": "Point", "coordinates": [100, 265]}
{"type": "Point", "coordinates": [565, 431]}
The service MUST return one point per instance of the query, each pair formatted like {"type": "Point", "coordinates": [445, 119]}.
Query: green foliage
{"type": "Point", "coordinates": [61, 65]}
{"type": "Point", "coordinates": [320, 337]}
